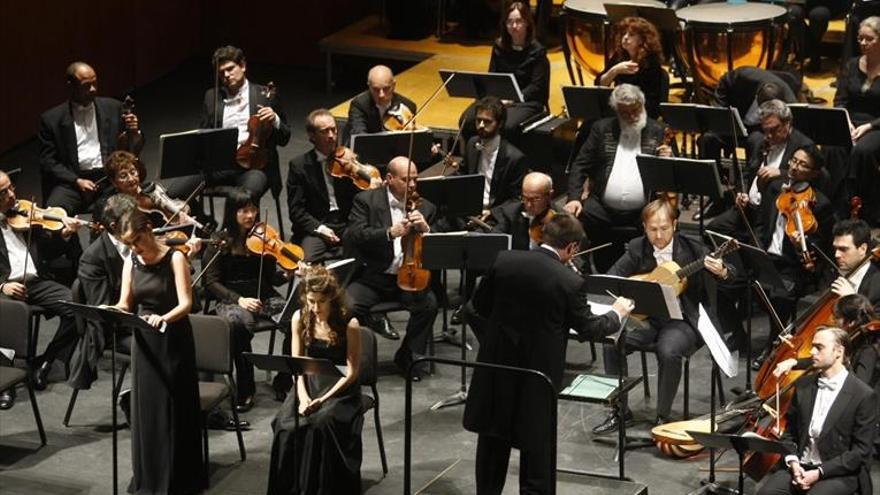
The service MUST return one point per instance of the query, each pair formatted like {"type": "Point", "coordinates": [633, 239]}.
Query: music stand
{"type": "Point", "coordinates": [663, 18]}
{"type": "Point", "coordinates": [379, 148]}
{"type": "Point", "coordinates": [466, 251]}
{"type": "Point", "coordinates": [681, 175]}
{"type": "Point", "coordinates": [295, 366]}
{"type": "Point", "coordinates": [454, 195]}
{"type": "Point", "coordinates": [475, 85]}
{"type": "Point", "coordinates": [197, 152]}
{"type": "Point", "coordinates": [115, 320]}
{"type": "Point", "coordinates": [587, 102]}
{"type": "Point", "coordinates": [826, 126]}
{"type": "Point", "coordinates": [742, 444]}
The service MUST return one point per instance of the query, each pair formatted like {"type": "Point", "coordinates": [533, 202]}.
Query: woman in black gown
{"type": "Point", "coordinates": [166, 453]}
{"type": "Point", "coordinates": [324, 456]}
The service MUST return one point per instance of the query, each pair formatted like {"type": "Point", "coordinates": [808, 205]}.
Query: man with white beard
{"type": "Point", "coordinates": [604, 185]}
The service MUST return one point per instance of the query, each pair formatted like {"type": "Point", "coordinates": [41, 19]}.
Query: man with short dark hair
{"type": "Point", "coordinates": [852, 244]}
{"type": "Point", "coordinates": [530, 300]}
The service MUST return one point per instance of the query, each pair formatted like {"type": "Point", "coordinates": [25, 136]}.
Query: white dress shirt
{"type": "Point", "coordinates": [664, 255]}
{"type": "Point", "coordinates": [398, 214]}
{"type": "Point", "coordinates": [237, 111]}
{"type": "Point", "coordinates": [88, 146]}
{"type": "Point", "coordinates": [624, 190]}
{"type": "Point", "coordinates": [829, 388]}
{"type": "Point", "coordinates": [328, 181]}
{"type": "Point", "coordinates": [488, 157]}
{"type": "Point", "coordinates": [774, 161]}
{"type": "Point", "coordinates": [123, 250]}
{"type": "Point", "coordinates": [778, 236]}
{"type": "Point", "coordinates": [859, 276]}
{"type": "Point", "coordinates": [17, 249]}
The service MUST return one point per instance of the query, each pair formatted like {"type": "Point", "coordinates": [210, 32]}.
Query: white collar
{"type": "Point", "coordinates": [835, 382]}
{"type": "Point", "coordinates": [552, 250]}
{"type": "Point", "coordinates": [491, 145]}
{"type": "Point", "coordinates": [392, 201]}
{"type": "Point", "coordinates": [243, 90]}
{"type": "Point", "coordinates": [665, 250]}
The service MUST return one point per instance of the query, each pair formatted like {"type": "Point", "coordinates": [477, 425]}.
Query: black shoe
{"type": "Point", "coordinates": [41, 375]}
{"type": "Point", "coordinates": [403, 359]}
{"type": "Point", "coordinates": [7, 399]}
{"type": "Point", "coordinates": [246, 405]}
{"type": "Point", "coordinates": [124, 401]}
{"type": "Point", "coordinates": [384, 328]}
{"type": "Point", "coordinates": [243, 424]}
{"type": "Point", "coordinates": [759, 361]}
{"type": "Point", "coordinates": [611, 424]}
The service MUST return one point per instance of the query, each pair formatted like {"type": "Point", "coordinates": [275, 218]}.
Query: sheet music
{"type": "Point", "coordinates": [719, 351]}
{"type": "Point", "coordinates": [8, 354]}
{"type": "Point", "coordinates": [671, 299]}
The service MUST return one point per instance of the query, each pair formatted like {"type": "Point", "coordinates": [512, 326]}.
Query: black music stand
{"type": "Point", "coordinates": [681, 175]}
{"type": "Point", "coordinates": [742, 444]}
{"type": "Point", "coordinates": [115, 320]}
{"type": "Point", "coordinates": [663, 18]}
{"type": "Point", "coordinates": [197, 152]}
{"type": "Point", "coordinates": [379, 148]}
{"type": "Point", "coordinates": [454, 195]}
{"type": "Point", "coordinates": [587, 102]}
{"type": "Point", "coordinates": [296, 367]}
{"type": "Point", "coordinates": [465, 251]}
{"type": "Point", "coordinates": [826, 126]}
{"type": "Point", "coordinates": [475, 85]}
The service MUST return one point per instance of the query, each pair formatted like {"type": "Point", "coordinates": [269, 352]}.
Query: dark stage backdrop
{"type": "Point", "coordinates": [131, 43]}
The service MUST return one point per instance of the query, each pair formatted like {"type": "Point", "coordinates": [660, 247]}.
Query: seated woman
{"type": "Point", "coordinates": [858, 91]}
{"type": "Point", "coordinates": [328, 442]}
{"type": "Point", "coordinates": [637, 60]}
{"type": "Point", "coordinates": [517, 52]}
{"type": "Point", "coordinates": [232, 277]}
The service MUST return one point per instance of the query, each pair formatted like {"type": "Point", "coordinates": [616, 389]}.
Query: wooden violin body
{"type": "Point", "coordinates": [536, 228]}
{"type": "Point", "coordinates": [264, 239]}
{"type": "Point", "coordinates": [411, 277]}
{"type": "Point", "coordinates": [795, 203]}
{"type": "Point", "coordinates": [344, 163]}
{"type": "Point", "coordinates": [400, 118]}
{"type": "Point", "coordinates": [253, 153]}
{"type": "Point", "coordinates": [25, 215]}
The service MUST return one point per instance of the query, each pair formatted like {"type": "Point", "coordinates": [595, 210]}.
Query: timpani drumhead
{"type": "Point", "coordinates": [591, 8]}
{"type": "Point", "coordinates": [736, 14]}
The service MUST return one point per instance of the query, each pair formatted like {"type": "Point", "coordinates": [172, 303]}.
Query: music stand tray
{"type": "Point", "coordinates": [694, 118]}
{"type": "Point", "coordinates": [456, 195]}
{"type": "Point", "coordinates": [826, 126]}
{"type": "Point", "coordinates": [587, 102]}
{"type": "Point", "coordinates": [662, 18]}
{"type": "Point", "coordinates": [742, 444]}
{"type": "Point", "coordinates": [380, 147]}
{"type": "Point", "coordinates": [197, 152]}
{"type": "Point", "coordinates": [681, 175]}
{"type": "Point", "coordinates": [475, 85]}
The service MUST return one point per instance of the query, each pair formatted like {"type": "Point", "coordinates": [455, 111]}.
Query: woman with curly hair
{"type": "Point", "coordinates": [637, 60]}
{"type": "Point", "coordinates": [327, 446]}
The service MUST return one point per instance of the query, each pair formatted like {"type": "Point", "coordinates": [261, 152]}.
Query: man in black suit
{"type": "Point", "coordinates": [518, 217]}
{"type": "Point", "coordinates": [832, 422]}
{"type": "Point", "coordinates": [239, 100]}
{"type": "Point", "coordinates": [852, 243]}
{"type": "Point", "coordinates": [672, 340]}
{"type": "Point", "coordinates": [75, 138]}
{"type": "Point", "coordinates": [368, 110]}
{"type": "Point", "coordinates": [604, 185]}
{"type": "Point", "coordinates": [530, 300]}
{"type": "Point", "coordinates": [318, 203]}
{"type": "Point", "coordinates": [377, 224]}
{"type": "Point", "coordinates": [20, 279]}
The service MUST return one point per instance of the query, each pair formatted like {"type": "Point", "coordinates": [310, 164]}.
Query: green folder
{"type": "Point", "coordinates": [591, 387]}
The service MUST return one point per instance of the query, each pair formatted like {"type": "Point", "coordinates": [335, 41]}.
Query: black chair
{"type": "Point", "coordinates": [18, 321]}
{"type": "Point", "coordinates": [212, 337]}
{"type": "Point", "coordinates": [123, 353]}
{"type": "Point", "coordinates": [368, 377]}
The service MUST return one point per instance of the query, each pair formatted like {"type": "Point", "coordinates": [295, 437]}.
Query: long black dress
{"type": "Point", "coordinates": [166, 453]}
{"type": "Point", "coordinates": [328, 445]}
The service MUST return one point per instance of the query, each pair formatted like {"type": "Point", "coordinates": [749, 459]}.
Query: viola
{"type": "Point", "coordinates": [411, 277]}
{"type": "Point", "coordinates": [253, 153]}
{"type": "Point", "coordinates": [129, 140]}
{"type": "Point", "coordinates": [264, 239]}
{"type": "Point", "coordinates": [399, 118]}
{"type": "Point", "coordinates": [536, 227]}
{"type": "Point", "coordinates": [344, 164]}
{"type": "Point", "coordinates": [153, 198]}
{"type": "Point", "coordinates": [25, 214]}
{"type": "Point", "coordinates": [795, 203]}
{"type": "Point", "coordinates": [179, 241]}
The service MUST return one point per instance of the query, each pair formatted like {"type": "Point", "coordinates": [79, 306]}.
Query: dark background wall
{"type": "Point", "coordinates": [131, 43]}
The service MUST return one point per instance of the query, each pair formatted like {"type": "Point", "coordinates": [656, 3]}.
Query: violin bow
{"type": "Point", "coordinates": [27, 251]}
{"type": "Point", "coordinates": [209, 263]}
{"type": "Point", "coordinates": [742, 181]}
{"type": "Point", "coordinates": [262, 257]}
{"type": "Point", "coordinates": [828, 260]}
{"type": "Point", "coordinates": [188, 199]}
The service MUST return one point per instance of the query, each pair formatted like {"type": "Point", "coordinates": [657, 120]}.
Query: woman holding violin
{"type": "Point", "coordinates": [242, 284]}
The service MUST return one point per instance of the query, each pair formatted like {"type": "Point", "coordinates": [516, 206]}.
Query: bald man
{"type": "Point", "coordinates": [367, 111]}
{"type": "Point", "coordinates": [376, 225]}
{"type": "Point", "coordinates": [75, 138]}
{"type": "Point", "coordinates": [516, 217]}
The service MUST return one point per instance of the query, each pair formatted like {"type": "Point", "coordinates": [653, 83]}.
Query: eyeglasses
{"type": "Point", "coordinates": [7, 190]}
{"type": "Point", "coordinates": [800, 163]}
{"type": "Point", "coordinates": [516, 22]}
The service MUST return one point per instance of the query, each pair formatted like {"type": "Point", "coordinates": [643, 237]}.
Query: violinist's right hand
{"type": "Point", "coordinates": [250, 304]}
{"type": "Point", "coordinates": [85, 185]}
{"type": "Point", "coordinates": [574, 207]}
{"type": "Point", "coordinates": [399, 229]}
{"type": "Point", "coordinates": [328, 233]}
{"type": "Point", "coordinates": [742, 200]}
{"type": "Point", "coordinates": [623, 306]}
{"type": "Point", "coordinates": [784, 367]}
{"type": "Point", "coordinates": [15, 290]}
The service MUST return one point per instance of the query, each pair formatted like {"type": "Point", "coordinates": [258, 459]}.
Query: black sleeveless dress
{"type": "Point", "coordinates": [328, 445]}
{"type": "Point", "coordinates": [166, 453]}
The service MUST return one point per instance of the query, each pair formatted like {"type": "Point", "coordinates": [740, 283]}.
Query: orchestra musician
{"type": "Point", "coordinates": [166, 445]}
{"type": "Point", "coordinates": [832, 421]}
{"type": "Point", "coordinates": [22, 277]}
{"type": "Point", "coordinates": [852, 243]}
{"type": "Point", "coordinates": [604, 185]}
{"type": "Point", "coordinates": [318, 203]}
{"type": "Point", "coordinates": [377, 222]}
{"type": "Point", "coordinates": [368, 110]}
{"type": "Point", "coordinates": [531, 300]}
{"type": "Point", "coordinates": [76, 137]}
{"type": "Point", "coordinates": [809, 35]}
{"type": "Point", "coordinates": [672, 339]}
{"type": "Point", "coordinates": [517, 218]}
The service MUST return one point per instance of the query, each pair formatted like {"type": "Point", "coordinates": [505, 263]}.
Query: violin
{"type": "Point", "coordinates": [153, 198]}
{"type": "Point", "coordinates": [264, 239]}
{"type": "Point", "coordinates": [253, 153]}
{"type": "Point", "coordinates": [855, 207]}
{"type": "Point", "coordinates": [129, 140]}
{"type": "Point", "coordinates": [179, 241]}
{"type": "Point", "coordinates": [795, 203]}
{"type": "Point", "coordinates": [344, 163]}
{"type": "Point", "coordinates": [399, 118]}
{"type": "Point", "coordinates": [671, 197]}
{"type": "Point", "coordinates": [411, 277]}
{"type": "Point", "coordinates": [536, 227]}
{"type": "Point", "coordinates": [25, 214]}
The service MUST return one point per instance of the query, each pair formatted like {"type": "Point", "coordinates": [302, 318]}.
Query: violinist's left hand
{"type": "Point", "coordinates": [716, 266]}
{"type": "Point", "coordinates": [131, 122]}
{"type": "Point", "coordinates": [266, 114]}
{"type": "Point", "coordinates": [195, 246]}
{"type": "Point", "coordinates": [71, 225]}
{"type": "Point", "coordinates": [416, 220]}
{"type": "Point", "coordinates": [664, 150]}
{"type": "Point", "coordinates": [842, 287]}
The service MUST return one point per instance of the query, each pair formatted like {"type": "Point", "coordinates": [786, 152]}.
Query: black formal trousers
{"type": "Point", "coordinates": [48, 294]}
{"type": "Point", "coordinates": [779, 483]}
{"type": "Point", "coordinates": [493, 455]}
{"type": "Point", "coordinates": [69, 197]}
{"type": "Point", "coordinates": [254, 181]}
{"type": "Point", "coordinates": [373, 288]}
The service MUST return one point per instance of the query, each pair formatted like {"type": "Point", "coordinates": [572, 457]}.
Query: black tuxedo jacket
{"type": "Point", "coordinates": [870, 286]}
{"type": "Point", "coordinates": [737, 88]}
{"type": "Point", "coordinates": [308, 201]}
{"type": "Point", "coordinates": [256, 99]}
{"type": "Point", "coordinates": [363, 116]}
{"type": "Point", "coordinates": [509, 219]}
{"type": "Point", "coordinates": [822, 210]}
{"type": "Point", "coordinates": [58, 155]}
{"type": "Point", "coordinates": [507, 177]}
{"type": "Point", "coordinates": [596, 157]}
{"type": "Point", "coordinates": [845, 444]}
{"type": "Point", "coordinates": [755, 152]}
{"type": "Point", "coordinates": [530, 300]}
{"type": "Point", "coordinates": [368, 224]}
